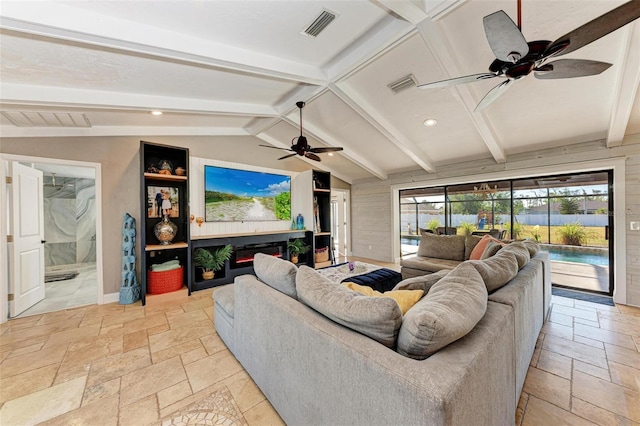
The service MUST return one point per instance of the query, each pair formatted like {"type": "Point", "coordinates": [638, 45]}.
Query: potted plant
{"type": "Point", "coordinates": [211, 260]}
{"type": "Point", "coordinates": [296, 248]}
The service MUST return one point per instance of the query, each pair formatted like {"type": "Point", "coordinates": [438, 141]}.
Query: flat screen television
{"type": "Point", "coordinates": [233, 195]}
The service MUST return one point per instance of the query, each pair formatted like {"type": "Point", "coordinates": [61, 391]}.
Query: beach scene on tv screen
{"type": "Point", "coordinates": [233, 195]}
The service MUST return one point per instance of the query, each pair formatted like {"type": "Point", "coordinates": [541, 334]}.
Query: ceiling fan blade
{"type": "Point", "coordinates": [593, 30]}
{"type": "Point", "coordinates": [312, 156]}
{"type": "Point", "coordinates": [570, 68]}
{"type": "Point", "coordinates": [287, 156]}
{"type": "Point", "coordinates": [457, 80]}
{"type": "Point", "coordinates": [493, 94]}
{"type": "Point", "coordinates": [327, 149]}
{"type": "Point", "coordinates": [274, 147]}
{"type": "Point", "coordinates": [504, 37]}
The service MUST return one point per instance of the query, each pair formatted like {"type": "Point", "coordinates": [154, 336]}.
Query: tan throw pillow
{"type": "Point", "coordinates": [405, 298]}
{"type": "Point", "coordinates": [376, 317]}
{"type": "Point", "coordinates": [450, 310]}
{"type": "Point", "coordinates": [423, 282]}
{"type": "Point", "coordinates": [450, 247]}
{"type": "Point", "coordinates": [276, 273]}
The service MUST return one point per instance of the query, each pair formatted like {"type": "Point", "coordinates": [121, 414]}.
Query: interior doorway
{"type": "Point", "coordinates": [72, 223]}
{"type": "Point", "coordinates": [341, 233]}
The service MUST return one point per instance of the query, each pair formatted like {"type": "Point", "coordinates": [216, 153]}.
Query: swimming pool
{"type": "Point", "coordinates": [600, 257]}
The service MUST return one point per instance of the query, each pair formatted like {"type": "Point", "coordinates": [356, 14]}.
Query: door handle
{"type": "Point", "coordinates": [43, 241]}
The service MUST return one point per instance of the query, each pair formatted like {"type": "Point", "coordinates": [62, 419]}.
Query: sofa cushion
{"type": "Point", "coordinates": [450, 310]}
{"type": "Point", "coordinates": [478, 250]}
{"type": "Point", "coordinates": [276, 273]}
{"type": "Point", "coordinates": [491, 249]}
{"type": "Point", "coordinates": [376, 317]}
{"type": "Point", "coordinates": [405, 298]}
{"type": "Point", "coordinates": [449, 247]}
{"type": "Point", "coordinates": [470, 243]}
{"type": "Point", "coordinates": [497, 270]}
{"type": "Point", "coordinates": [532, 246]}
{"type": "Point", "coordinates": [428, 264]}
{"type": "Point", "coordinates": [223, 296]}
{"type": "Point", "coordinates": [520, 251]}
{"type": "Point", "coordinates": [423, 282]}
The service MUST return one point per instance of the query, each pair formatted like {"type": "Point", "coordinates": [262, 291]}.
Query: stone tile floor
{"type": "Point", "coordinates": [161, 364]}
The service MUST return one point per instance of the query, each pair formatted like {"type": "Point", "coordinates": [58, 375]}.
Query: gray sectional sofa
{"type": "Point", "coordinates": [317, 370]}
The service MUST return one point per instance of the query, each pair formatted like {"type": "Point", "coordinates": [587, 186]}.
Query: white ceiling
{"type": "Point", "coordinates": [235, 69]}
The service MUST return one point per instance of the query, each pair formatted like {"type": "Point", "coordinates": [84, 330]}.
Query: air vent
{"type": "Point", "coordinates": [402, 84]}
{"type": "Point", "coordinates": [46, 119]}
{"type": "Point", "coordinates": [319, 24]}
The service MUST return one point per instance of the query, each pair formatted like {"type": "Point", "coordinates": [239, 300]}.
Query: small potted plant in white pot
{"type": "Point", "coordinates": [211, 260]}
{"type": "Point", "coordinates": [296, 248]}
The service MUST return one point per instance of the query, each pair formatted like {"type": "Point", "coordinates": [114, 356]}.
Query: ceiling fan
{"type": "Point", "coordinates": [301, 147]}
{"type": "Point", "coordinates": [517, 58]}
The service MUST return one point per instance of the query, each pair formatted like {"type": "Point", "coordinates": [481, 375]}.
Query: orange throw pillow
{"type": "Point", "coordinates": [476, 253]}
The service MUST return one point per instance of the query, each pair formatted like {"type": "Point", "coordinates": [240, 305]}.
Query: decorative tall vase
{"type": "Point", "coordinates": [130, 290]}
{"type": "Point", "coordinates": [165, 230]}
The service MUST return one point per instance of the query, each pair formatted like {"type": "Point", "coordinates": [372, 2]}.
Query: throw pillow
{"type": "Point", "coordinates": [497, 270]}
{"type": "Point", "coordinates": [450, 310]}
{"type": "Point", "coordinates": [520, 251]}
{"type": "Point", "coordinates": [477, 251]}
{"type": "Point", "coordinates": [276, 273]}
{"type": "Point", "coordinates": [532, 246]}
{"type": "Point", "coordinates": [375, 317]}
{"type": "Point", "coordinates": [491, 249]}
{"type": "Point", "coordinates": [450, 247]}
{"type": "Point", "coordinates": [470, 243]}
{"type": "Point", "coordinates": [405, 298]}
{"type": "Point", "coordinates": [423, 282]}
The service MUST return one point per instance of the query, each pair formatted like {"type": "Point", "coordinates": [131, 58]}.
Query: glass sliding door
{"type": "Point", "coordinates": [570, 215]}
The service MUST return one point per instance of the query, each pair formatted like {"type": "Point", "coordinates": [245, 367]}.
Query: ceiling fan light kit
{"type": "Point", "coordinates": [516, 58]}
{"type": "Point", "coordinates": [301, 146]}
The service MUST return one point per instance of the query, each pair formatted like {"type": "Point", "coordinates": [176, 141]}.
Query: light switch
{"type": "Point", "coordinates": [635, 226]}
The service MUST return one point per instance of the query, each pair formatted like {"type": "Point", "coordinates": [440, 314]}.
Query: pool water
{"type": "Point", "coordinates": [578, 256]}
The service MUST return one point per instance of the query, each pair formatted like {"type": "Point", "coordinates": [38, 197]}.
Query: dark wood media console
{"type": "Point", "coordinates": [244, 248]}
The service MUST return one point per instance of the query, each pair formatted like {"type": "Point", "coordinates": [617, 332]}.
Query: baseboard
{"type": "Point", "coordinates": [111, 298]}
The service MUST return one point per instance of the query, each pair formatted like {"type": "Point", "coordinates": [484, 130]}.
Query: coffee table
{"type": "Point", "coordinates": [374, 276]}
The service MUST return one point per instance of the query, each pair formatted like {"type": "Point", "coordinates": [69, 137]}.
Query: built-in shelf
{"type": "Point", "coordinates": [152, 247]}
{"type": "Point", "coordinates": [164, 177]}
{"type": "Point", "coordinates": [319, 234]}
{"type": "Point", "coordinates": [321, 190]}
{"type": "Point", "coordinates": [154, 157]}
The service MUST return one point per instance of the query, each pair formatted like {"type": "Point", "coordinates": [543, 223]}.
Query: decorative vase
{"type": "Point", "coordinates": [294, 258]}
{"type": "Point", "coordinates": [208, 275]}
{"type": "Point", "coordinates": [130, 290]}
{"type": "Point", "coordinates": [165, 230]}
{"type": "Point", "coordinates": [300, 221]}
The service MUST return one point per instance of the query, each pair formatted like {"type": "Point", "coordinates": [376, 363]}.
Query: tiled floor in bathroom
{"type": "Point", "coordinates": [79, 291]}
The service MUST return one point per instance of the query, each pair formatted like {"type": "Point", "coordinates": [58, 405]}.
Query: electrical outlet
{"type": "Point", "coordinates": [369, 246]}
{"type": "Point", "coordinates": [634, 226]}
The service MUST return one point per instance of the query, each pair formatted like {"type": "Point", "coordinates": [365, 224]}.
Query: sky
{"type": "Point", "coordinates": [244, 182]}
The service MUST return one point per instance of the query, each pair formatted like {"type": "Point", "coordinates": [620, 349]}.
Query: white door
{"type": "Point", "coordinates": [26, 252]}
{"type": "Point", "coordinates": [340, 211]}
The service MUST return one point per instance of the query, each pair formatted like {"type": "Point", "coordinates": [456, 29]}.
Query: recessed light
{"type": "Point", "coordinates": [331, 154]}
{"type": "Point", "coordinates": [156, 112]}
{"type": "Point", "coordinates": [430, 122]}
